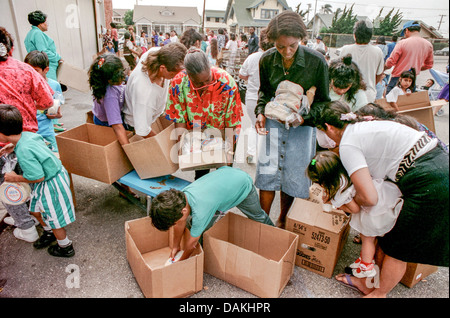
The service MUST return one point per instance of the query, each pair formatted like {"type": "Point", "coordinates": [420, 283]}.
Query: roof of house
{"type": "Point", "coordinates": [241, 8]}
{"type": "Point", "coordinates": [327, 19]}
{"type": "Point", "coordinates": [432, 30]}
{"type": "Point", "coordinates": [166, 14]}
{"type": "Point", "coordinates": [215, 13]}
{"type": "Point", "coordinates": [120, 12]}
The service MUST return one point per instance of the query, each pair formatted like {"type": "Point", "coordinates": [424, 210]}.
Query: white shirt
{"type": "Point", "coordinates": [379, 146]}
{"type": "Point", "coordinates": [232, 46]}
{"type": "Point", "coordinates": [173, 39]}
{"type": "Point", "coordinates": [370, 61]}
{"type": "Point", "coordinates": [393, 95]}
{"type": "Point", "coordinates": [145, 101]}
{"type": "Point", "coordinates": [319, 45]}
{"type": "Point", "coordinates": [251, 68]}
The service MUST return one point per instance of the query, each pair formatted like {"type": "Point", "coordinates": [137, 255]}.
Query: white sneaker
{"type": "Point", "coordinates": [440, 112]}
{"type": "Point", "coordinates": [10, 221]}
{"type": "Point", "coordinates": [30, 235]}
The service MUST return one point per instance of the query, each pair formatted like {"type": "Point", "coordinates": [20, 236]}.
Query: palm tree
{"type": "Point", "coordinates": [327, 9]}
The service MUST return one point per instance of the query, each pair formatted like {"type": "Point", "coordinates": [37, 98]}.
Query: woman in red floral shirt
{"type": "Point", "coordinates": [203, 97]}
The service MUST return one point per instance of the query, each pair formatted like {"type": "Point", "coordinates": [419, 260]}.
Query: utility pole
{"type": "Point", "coordinates": [440, 21]}
{"type": "Point", "coordinates": [203, 17]}
{"type": "Point", "coordinates": [314, 21]}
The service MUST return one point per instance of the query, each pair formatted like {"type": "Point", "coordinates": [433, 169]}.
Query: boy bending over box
{"type": "Point", "coordinates": [220, 190]}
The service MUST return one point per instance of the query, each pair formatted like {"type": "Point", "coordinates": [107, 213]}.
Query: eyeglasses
{"type": "Point", "coordinates": [203, 87]}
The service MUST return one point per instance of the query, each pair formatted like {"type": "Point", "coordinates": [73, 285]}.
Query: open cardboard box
{"type": "Point", "coordinates": [417, 105]}
{"type": "Point", "coordinates": [155, 156]}
{"type": "Point", "coordinates": [250, 255]}
{"type": "Point", "coordinates": [416, 272]}
{"type": "Point", "coordinates": [322, 235]}
{"type": "Point", "coordinates": [74, 77]}
{"type": "Point", "coordinates": [148, 249]}
{"type": "Point", "coordinates": [204, 159]}
{"type": "Point", "coordinates": [93, 152]}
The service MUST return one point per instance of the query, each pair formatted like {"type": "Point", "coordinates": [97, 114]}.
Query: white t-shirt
{"type": "Point", "coordinates": [319, 45]}
{"type": "Point", "coordinates": [251, 68]}
{"type": "Point", "coordinates": [379, 146]}
{"type": "Point", "coordinates": [393, 95]}
{"type": "Point", "coordinates": [232, 46]}
{"type": "Point", "coordinates": [370, 61]}
{"type": "Point", "coordinates": [144, 100]}
{"type": "Point", "coordinates": [173, 39]}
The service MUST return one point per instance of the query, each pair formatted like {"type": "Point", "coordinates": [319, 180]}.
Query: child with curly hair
{"type": "Point", "coordinates": [106, 77]}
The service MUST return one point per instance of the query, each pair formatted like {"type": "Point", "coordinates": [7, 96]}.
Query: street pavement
{"type": "Point", "coordinates": [99, 240]}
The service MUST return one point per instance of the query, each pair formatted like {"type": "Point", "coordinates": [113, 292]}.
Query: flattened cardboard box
{"type": "Point", "coordinates": [74, 77]}
{"type": "Point", "coordinates": [416, 272]}
{"type": "Point", "coordinates": [155, 156]}
{"type": "Point", "coordinates": [202, 160]}
{"type": "Point", "coordinates": [417, 105]}
{"type": "Point", "coordinates": [322, 235]}
{"type": "Point", "coordinates": [93, 151]}
{"type": "Point", "coordinates": [147, 251]}
{"type": "Point", "coordinates": [250, 255]}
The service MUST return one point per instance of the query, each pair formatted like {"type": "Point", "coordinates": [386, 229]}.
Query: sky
{"type": "Point", "coordinates": [428, 11]}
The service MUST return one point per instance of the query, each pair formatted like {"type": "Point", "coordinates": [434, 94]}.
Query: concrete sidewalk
{"type": "Point", "coordinates": [99, 241]}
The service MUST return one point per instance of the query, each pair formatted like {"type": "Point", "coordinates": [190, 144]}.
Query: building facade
{"type": "Point", "coordinates": [240, 15]}
{"type": "Point", "coordinates": [165, 19]}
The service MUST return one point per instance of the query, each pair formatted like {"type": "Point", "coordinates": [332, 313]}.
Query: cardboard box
{"type": "Point", "coordinates": [74, 77]}
{"type": "Point", "coordinates": [417, 105]}
{"type": "Point", "coordinates": [93, 152]}
{"type": "Point", "coordinates": [250, 255]}
{"type": "Point", "coordinates": [322, 235]}
{"type": "Point", "coordinates": [204, 159]}
{"type": "Point", "coordinates": [147, 251]}
{"type": "Point", "coordinates": [416, 272]}
{"type": "Point", "coordinates": [152, 157]}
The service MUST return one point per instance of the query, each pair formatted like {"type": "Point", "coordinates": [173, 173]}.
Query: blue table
{"type": "Point", "coordinates": [150, 187]}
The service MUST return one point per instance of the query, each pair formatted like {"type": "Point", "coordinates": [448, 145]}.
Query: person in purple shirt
{"type": "Point", "coordinates": [106, 76]}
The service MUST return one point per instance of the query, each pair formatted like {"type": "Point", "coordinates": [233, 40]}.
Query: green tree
{"type": "Point", "coordinates": [387, 25]}
{"type": "Point", "coordinates": [302, 13]}
{"type": "Point", "coordinates": [343, 21]}
{"type": "Point", "coordinates": [128, 17]}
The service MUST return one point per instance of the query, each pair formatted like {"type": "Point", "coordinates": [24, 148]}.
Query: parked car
{"type": "Point", "coordinates": [444, 52]}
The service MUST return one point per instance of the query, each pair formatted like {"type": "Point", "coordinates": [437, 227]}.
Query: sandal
{"type": "Point", "coordinates": [348, 282]}
{"type": "Point", "coordinates": [357, 239]}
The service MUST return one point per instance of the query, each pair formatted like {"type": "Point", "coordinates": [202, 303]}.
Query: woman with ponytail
{"type": "Point", "coordinates": [148, 86]}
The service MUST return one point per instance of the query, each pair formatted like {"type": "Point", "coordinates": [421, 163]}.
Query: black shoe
{"type": "Point", "coordinates": [45, 240]}
{"type": "Point", "coordinates": [58, 251]}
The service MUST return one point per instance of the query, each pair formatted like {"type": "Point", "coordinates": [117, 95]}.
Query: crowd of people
{"type": "Point", "coordinates": [382, 168]}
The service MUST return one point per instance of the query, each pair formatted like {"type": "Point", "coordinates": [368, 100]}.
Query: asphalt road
{"type": "Point", "coordinates": [99, 240]}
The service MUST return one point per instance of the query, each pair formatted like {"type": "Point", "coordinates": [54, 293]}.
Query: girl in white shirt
{"type": "Point", "coordinates": [326, 169]}
{"type": "Point", "coordinates": [405, 86]}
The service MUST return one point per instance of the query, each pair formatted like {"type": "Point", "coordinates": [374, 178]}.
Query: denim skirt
{"type": "Point", "coordinates": [283, 157]}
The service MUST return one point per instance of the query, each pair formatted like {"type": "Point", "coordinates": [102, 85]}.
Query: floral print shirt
{"type": "Point", "coordinates": [219, 106]}
{"type": "Point", "coordinates": [21, 86]}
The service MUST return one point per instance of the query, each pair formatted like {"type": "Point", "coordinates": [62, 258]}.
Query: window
{"type": "Point", "coordinates": [268, 14]}
{"type": "Point", "coordinates": [217, 20]}
{"type": "Point", "coordinates": [208, 19]}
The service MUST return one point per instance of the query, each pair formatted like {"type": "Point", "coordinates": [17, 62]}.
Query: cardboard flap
{"type": "Point", "coordinates": [74, 77]}
{"type": "Point", "coordinates": [311, 213]}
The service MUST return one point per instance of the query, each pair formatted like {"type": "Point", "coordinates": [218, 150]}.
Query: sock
{"type": "Point", "coordinates": [65, 242]}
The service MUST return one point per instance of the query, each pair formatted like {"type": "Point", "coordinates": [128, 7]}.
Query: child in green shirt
{"type": "Point", "coordinates": [51, 199]}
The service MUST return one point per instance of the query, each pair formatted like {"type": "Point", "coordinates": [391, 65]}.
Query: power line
{"type": "Point", "coordinates": [378, 5]}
